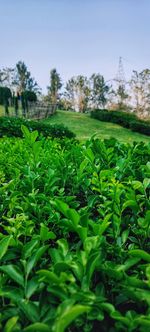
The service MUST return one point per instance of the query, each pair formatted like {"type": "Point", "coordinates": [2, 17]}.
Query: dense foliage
{"type": "Point", "coordinates": [127, 120]}
{"type": "Point", "coordinates": [75, 224]}
{"type": "Point", "coordinates": [29, 96]}
{"type": "Point", "coordinates": [5, 95]}
{"type": "Point", "coordinates": [11, 126]}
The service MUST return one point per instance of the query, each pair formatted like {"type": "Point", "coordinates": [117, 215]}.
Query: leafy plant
{"type": "Point", "coordinates": [74, 235]}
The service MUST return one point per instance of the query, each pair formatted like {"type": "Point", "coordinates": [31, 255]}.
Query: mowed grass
{"type": "Point", "coordinates": [84, 127]}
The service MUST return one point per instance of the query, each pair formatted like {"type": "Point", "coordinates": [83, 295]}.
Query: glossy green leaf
{"type": "Point", "coordinates": [132, 205]}
{"type": "Point", "coordinates": [140, 254]}
{"type": "Point", "coordinates": [69, 316]}
{"type": "Point", "coordinates": [14, 273]}
{"type": "Point", "coordinates": [37, 327]}
{"type": "Point", "coordinates": [30, 310]}
{"type": "Point", "coordinates": [49, 276]}
{"type": "Point", "coordinates": [4, 243]}
{"type": "Point", "coordinates": [45, 234]}
{"type": "Point", "coordinates": [63, 245]}
{"type": "Point", "coordinates": [29, 247]}
{"type": "Point", "coordinates": [35, 258]}
{"type": "Point", "coordinates": [9, 327]}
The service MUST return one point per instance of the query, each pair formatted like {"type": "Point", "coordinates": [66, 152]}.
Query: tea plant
{"type": "Point", "coordinates": [74, 235]}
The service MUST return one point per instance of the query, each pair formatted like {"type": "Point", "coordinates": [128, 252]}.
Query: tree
{"type": "Point", "coordinates": [122, 96]}
{"type": "Point", "coordinates": [78, 92]}
{"type": "Point", "coordinates": [7, 77]}
{"type": "Point", "coordinates": [23, 79]}
{"type": "Point", "coordinates": [99, 91]}
{"type": "Point", "coordinates": [55, 86]}
{"type": "Point", "coordinates": [70, 93]}
{"type": "Point", "coordinates": [140, 90]}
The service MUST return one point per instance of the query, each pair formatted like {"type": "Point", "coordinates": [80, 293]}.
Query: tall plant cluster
{"type": "Point", "coordinates": [74, 235]}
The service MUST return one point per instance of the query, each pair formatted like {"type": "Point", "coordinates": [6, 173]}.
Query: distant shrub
{"type": "Point", "coordinates": [127, 120]}
{"type": "Point", "coordinates": [140, 127]}
{"type": "Point", "coordinates": [10, 126]}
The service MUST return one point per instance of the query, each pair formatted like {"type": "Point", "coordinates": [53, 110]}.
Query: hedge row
{"type": "Point", "coordinates": [124, 119]}
{"type": "Point", "coordinates": [10, 126]}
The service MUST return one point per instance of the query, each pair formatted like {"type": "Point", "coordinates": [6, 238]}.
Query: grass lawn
{"type": "Point", "coordinates": [84, 127]}
{"type": "Point", "coordinates": [11, 111]}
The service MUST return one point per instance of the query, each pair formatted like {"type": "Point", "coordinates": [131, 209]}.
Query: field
{"type": "Point", "coordinates": [74, 233]}
{"type": "Point", "coordinates": [84, 127]}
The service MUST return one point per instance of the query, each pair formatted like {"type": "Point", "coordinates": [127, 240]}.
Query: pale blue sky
{"type": "Point", "coordinates": [75, 36]}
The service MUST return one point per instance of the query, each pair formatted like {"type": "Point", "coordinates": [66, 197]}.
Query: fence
{"type": "Point", "coordinates": [33, 110]}
{"type": "Point", "coordinates": [40, 110]}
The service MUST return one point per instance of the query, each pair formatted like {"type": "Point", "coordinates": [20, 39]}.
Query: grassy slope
{"type": "Point", "coordinates": [84, 127]}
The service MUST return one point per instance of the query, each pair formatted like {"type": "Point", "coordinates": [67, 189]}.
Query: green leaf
{"type": "Point", "coordinates": [146, 183]}
{"type": "Point", "coordinates": [144, 321]}
{"type": "Point", "coordinates": [68, 213]}
{"type": "Point", "coordinates": [148, 274]}
{"type": "Point", "coordinates": [58, 292]}
{"type": "Point", "coordinates": [37, 327]}
{"type": "Point", "coordinates": [32, 286]}
{"type": "Point", "coordinates": [35, 258]}
{"type": "Point", "coordinates": [61, 267]}
{"type": "Point", "coordinates": [45, 234]}
{"type": "Point", "coordinates": [90, 154]}
{"type": "Point", "coordinates": [11, 324]}
{"type": "Point", "coordinates": [30, 310]}
{"type": "Point", "coordinates": [49, 276]}
{"type": "Point", "coordinates": [25, 131]}
{"type": "Point", "coordinates": [63, 245]}
{"type": "Point", "coordinates": [34, 136]}
{"type": "Point", "coordinates": [93, 262]}
{"type": "Point", "coordinates": [132, 205]}
{"type": "Point", "coordinates": [117, 316]}
{"type": "Point", "coordinates": [69, 315]}
{"type": "Point", "coordinates": [29, 247]}
{"type": "Point", "coordinates": [73, 216]}
{"type": "Point", "coordinates": [4, 243]}
{"type": "Point", "coordinates": [124, 236]}
{"type": "Point", "coordinates": [140, 254]}
{"type": "Point", "coordinates": [128, 264]}
{"type": "Point", "coordinates": [82, 231]}
{"type": "Point", "coordinates": [14, 273]}
{"type": "Point", "coordinates": [108, 307]}
{"type": "Point", "coordinates": [62, 207]}
{"type": "Point", "coordinates": [90, 243]}
{"type": "Point", "coordinates": [13, 293]}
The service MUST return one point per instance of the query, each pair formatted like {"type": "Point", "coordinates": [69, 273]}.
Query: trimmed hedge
{"type": "Point", "coordinates": [10, 126]}
{"type": "Point", "coordinates": [124, 119]}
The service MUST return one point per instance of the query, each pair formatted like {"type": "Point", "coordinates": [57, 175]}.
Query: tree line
{"type": "Point", "coordinates": [79, 93]}
{"type": "Point", "coordinates": [82, 93]}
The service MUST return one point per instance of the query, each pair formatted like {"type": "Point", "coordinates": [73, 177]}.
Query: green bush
{"type": "Point", "coordinates": [124, 119]}
{"type": "Point", "coordinates": [74, 235]}
{"type": "Point", "coordinates": [140, 127]}
{"type": "Point", "coordinates": [10, 126]}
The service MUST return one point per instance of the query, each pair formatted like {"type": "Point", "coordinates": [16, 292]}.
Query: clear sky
{"type": "Point", "coordinates": [75, 36]}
